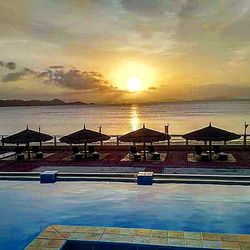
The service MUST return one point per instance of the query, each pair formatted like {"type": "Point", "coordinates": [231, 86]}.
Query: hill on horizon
{"type": "Point", "coordinates": [54, 102]}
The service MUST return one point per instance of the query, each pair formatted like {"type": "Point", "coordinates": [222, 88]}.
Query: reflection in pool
{"type": "Point", "coordinates": [27, 208]}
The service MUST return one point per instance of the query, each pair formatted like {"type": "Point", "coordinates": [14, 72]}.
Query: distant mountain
{"type": "Point", "coordinates": [54, 102]}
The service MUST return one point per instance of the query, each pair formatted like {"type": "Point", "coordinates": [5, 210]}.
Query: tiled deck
{"type": "Point", "coordinates": [55, 237]}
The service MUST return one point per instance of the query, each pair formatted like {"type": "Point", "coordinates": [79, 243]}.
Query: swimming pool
{"type": "Point", "coordinates": [27, 208]}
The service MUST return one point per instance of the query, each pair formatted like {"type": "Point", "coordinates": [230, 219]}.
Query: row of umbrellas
{"type": "Point", "coordinates": [143, 135]}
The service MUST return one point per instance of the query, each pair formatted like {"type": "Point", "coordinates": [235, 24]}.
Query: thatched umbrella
{"type": "Point", "coordinates": [144, 135]}
{"type": "Point", "coordinates": [210, 134]}
{"type": "Point", "coordinates": [26, 137]}
{"type": "Point", "coordinates": [84, 136]}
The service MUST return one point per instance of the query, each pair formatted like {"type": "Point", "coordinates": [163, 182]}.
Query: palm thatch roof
{"type": "Point", "coordinates": [144, 135]}
{"type": "Point", "coordinates": [84, 136]}
{"type": "Point", "coordinates": [211, 133]}
{"type": "Point", "coordinates": [27, 136]}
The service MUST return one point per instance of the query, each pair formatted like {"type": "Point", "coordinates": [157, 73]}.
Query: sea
{"type": "Point", "coordinates": [181, 117]}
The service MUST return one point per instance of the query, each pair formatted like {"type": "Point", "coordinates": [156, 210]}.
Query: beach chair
{"type": "Point", "coordinates": [220, 155]}
{"type": "Point", "coordinates": [154, 154]}
{"type": "Point", "coordinates": [199, 154]}
{"type": "Point", "coordinates": [76, 154]}
{"type": "Point", "coordinates": [93, 153]}
{"type": "Point", "coordinates": [37, 153]}
{"type": "Point", "coordinates": [19, 153]}
{"type": "Point", "coordinates": [135, 154]}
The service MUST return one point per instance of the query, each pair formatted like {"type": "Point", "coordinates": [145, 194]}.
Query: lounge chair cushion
{"type": "Point", "coordinates": [20, 157]}
{"type": "Point", "coordinates": [77, 156]}
{"type": "Point", "coordinates": [155, 156]}
{"type": "Point", "coordinates": [136, 156]}
{"type": "Point", "coordinates": [39, 155]}
{"type": "Point", "coordinates": [223, 156]}
{"type": "Point", "coordinates": [204, 157]}
{"type": "Point", "coordinates": [93, 153]}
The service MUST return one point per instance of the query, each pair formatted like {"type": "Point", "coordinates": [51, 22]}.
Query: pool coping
{"type": "Point", "coordinates": [132, 177]}
{"type": "Point", "coordinates": [54, 237]}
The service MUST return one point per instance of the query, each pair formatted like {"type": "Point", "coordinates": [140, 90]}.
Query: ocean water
{"type": "Point", "coordinates": [119, 119]}
{"type": "Point", "coordinates": [27, 208]}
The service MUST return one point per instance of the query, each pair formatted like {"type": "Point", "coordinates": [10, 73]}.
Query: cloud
{"type": "Point", "coordinates": [11, 77]}
{"type": "Point", "coordinates": [42, 74]}
{"type": "Point", "coordinates": [74, 79]}
{"type": "Point", "coordinates": [16, 76]}
{"type": "Point", "coordinates": [221, 91]}
{"type": "Point", "coordinates": [56, 67]}
{"type": "Point", "coordinates": [8, 65]}
{"type": "Point", "coordinates": [152, 88]}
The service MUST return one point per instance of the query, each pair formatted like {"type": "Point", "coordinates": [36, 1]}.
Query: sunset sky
{"type": "Point", "coordinates": [116, 51]}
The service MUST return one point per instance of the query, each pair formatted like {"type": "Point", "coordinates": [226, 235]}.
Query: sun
{"type": "Point", "coordinates": [134, 84]}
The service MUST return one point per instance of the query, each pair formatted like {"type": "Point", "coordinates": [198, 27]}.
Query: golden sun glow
{"type": "Point", "coordinates": [133, 76]}
{"type": "Point", "coordinates": [134, 84]}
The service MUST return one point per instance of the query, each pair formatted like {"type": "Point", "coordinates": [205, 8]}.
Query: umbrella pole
{"type": "Point", "coordinates": [28, 146]}
{"type": "Point", "coordinates": [210, 150]}
{"type": "Point", "coordinates": [85, 149]}
{"type": "Point", "coordinates": [144, 152]}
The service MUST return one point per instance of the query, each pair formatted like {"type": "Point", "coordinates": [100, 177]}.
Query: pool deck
{"type": "Point", "coordinates": [175, 162]}
{"type": "Point", "coordinates": [56, 236]}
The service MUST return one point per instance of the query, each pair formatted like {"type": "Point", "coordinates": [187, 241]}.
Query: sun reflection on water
{"type": "Point", "coordinates": [134, 117]}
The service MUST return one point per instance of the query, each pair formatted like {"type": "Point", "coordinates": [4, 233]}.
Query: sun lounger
{"type": "Point", "coordinates": [134, 153]}
{"type": "Point", "coordinates": [154, 154]}
{"type": "Point", "coordinates": [19, 153]}
{"type": "Point", "coordinates": [93, 153]}
{"type": "Point", "coordinates": [200, 154]}
{"type": "Point", "coordinates": [220, 155]}
{"type": "Point", "coordinates": [223, 156]}
{"type": "Point", "coordinates": [37, 153]}
{"type": "Point", "coordinates": [76, 154]}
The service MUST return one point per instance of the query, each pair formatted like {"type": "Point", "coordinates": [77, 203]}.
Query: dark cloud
{"type": "Point", "coordinates": [42, 74]}
{"type": "Point", "coordinates": [56, 67]}
{"type": "Point", "coordinates": [15, 76]}
{"type": "Point", "coordinates": [75, 79]}
{"type": "Point", "coordinates": [29, 71]}
{"type": "Point", "coordinates": [11, 77]}
{"type": "Point", "coordinates": [152, 88]}
{"type": "Point", "coordinates": [10, 65]}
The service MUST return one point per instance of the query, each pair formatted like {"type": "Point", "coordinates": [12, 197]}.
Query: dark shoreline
{"type": "Point", "coordinates": [37, 103]}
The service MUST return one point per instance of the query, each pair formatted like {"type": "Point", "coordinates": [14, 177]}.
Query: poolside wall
{"type": "Point", "coordinates": [52, 148]}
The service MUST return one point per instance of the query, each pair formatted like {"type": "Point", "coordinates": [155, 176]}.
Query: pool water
{"type": "Point", "coordinates": [27, 208]}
